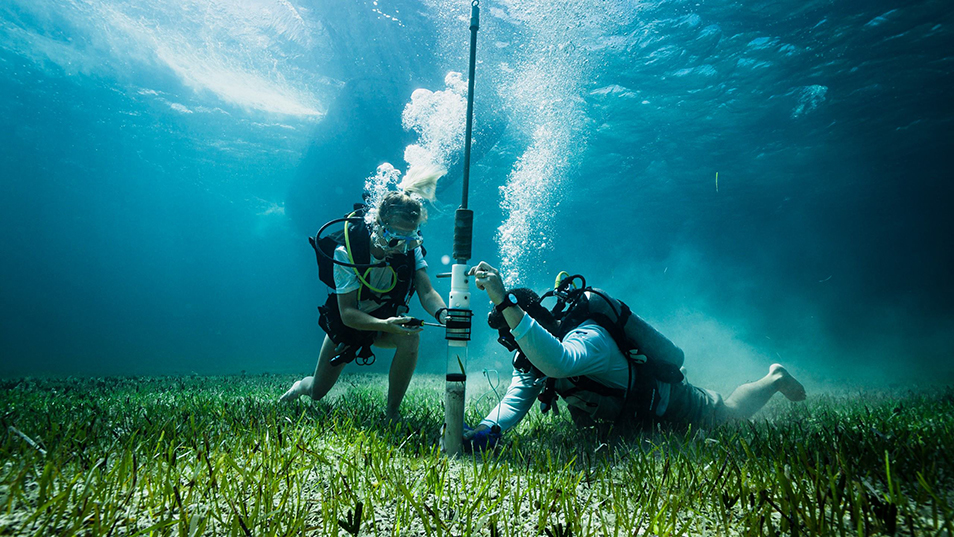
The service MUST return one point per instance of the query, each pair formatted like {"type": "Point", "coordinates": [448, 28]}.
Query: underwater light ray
{"type": "Point", "coordinates": [246, 54]}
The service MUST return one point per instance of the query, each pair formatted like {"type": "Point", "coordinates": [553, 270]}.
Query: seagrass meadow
{"type": "Point", "coordinates": [219, 456]}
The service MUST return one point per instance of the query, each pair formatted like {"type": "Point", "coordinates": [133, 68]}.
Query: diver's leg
{"type": "Point", "coordinates": [325, 377]}
{"type": "Point", "coordinates": [749, 398]}
{"type": "Point", "coordinates": [402, 368]}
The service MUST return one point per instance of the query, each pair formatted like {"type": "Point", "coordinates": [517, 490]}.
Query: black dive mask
{"type": "Point", "coordinates": [520, 361]}
{"type": "Point", "coordinates": [522, 364]}
{"type": "Point", "coordinates": [506, 339]}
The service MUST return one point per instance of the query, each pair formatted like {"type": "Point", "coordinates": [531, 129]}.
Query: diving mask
{"type": "Point", "coordinates": [392, 241]}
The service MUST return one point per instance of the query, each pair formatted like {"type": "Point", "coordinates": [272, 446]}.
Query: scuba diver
{"type": "Point", "coordinates": [378, 264]}
{"type": "Point", "coordinates": [610, 367]}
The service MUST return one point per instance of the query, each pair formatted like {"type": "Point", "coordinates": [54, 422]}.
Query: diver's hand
{"type": "Point", "coordinates": [487, 278]}
{"type": "Point", "coordinates": [398, 325]}
{"type": "Point", "coordinates": [470, 433]}
{"type": "Point", "coordinates": [481, 438]}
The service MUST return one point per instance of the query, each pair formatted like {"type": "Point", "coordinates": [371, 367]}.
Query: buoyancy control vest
{"type": "Point", "coordinates": [650, 355]}
{"type": "Point", "coordinates": [356, 238]}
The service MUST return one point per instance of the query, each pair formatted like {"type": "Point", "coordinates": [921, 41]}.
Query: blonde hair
{"type": "Point", "coordinates": [398, 204]}
{"type": "Point", "coordinates": [421, 180]}
{"type": "Point", "coordinates": [406, 204]}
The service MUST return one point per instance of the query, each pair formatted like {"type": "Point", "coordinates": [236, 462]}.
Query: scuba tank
{"type": "Point", "coordinates": [636, 339]}
{"type": "Point", "coordinates": [651, 356]}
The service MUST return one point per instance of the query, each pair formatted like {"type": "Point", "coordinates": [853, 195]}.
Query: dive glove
{"type": "Point", "coordinates": [481, 440]}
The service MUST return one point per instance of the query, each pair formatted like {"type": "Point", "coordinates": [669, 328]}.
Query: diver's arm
{"type": "Point", "coordinates": [523, 390]}
{"type": "Point", "coordinates": [431, 301]}
{"type": "Point", "coordinates": [352, 317]}
{"type": "Point", "coordinates": [583, 351]}
{"type": "Point", "coordinates": [487, 278]}
{"type": "Point", "coordinates": [573, 357]}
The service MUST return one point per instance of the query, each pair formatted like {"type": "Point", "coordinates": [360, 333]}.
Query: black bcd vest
{"type": "Point", "coordinates": [633, 336]}
{"type": "Point", "coordinates": [352, 343]}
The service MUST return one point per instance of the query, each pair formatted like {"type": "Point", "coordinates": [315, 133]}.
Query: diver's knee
{"type": "Point", "coordinates": [409, 342]}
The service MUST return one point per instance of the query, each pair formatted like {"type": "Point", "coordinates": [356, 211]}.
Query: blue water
{"type": "Point", "coordinates": [162, 165]}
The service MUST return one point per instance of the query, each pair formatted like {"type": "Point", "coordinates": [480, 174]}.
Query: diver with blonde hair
{"type": "Point", "coordinates": [376, 266]}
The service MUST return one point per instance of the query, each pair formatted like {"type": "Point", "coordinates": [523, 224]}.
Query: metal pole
{"type": "Point", "coordinates": [474, 26]}
{"type": "Point", "coordinates": [459, 312]}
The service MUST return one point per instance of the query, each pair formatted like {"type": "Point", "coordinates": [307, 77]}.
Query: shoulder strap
{"type": "Point", "coordinates": [647, 342]}
{"type": "Point", "coordinates": [404, 267]}
{"type": "Point", "coordinates": [397, 295]}
{"type": "Point", "coordinates": [360, 242]}
{"type": "Point", "coordinates": [577, 312]}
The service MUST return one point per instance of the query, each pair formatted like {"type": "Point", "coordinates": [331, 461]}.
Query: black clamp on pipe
{"type": "Point", "coordinates": [458, 323]}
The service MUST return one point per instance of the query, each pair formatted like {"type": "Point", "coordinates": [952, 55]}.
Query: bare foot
{"type": "Point", "coordinates": [392, 416]}
{"type": "Point", "coordinates": [292, 394]}
{"type": "Point", "coordinates": [786, 383]}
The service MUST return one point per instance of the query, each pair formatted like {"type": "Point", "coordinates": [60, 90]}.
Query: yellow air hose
{"type": "Point", "coordinates": [394, 277]}
{"type": "Point", "coordinates": [559, 279]}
